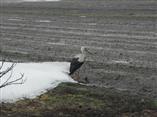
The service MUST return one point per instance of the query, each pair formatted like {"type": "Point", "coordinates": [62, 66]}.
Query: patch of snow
{"type": "Point", "coordinates": [15, 19]}
{"type": "Point", "coordinates": [38, 78]}
{"type": "Point", "coordinates": [92, 24]}
{"type": "Point", "coordinates": [52, 0]}
{"type": "Point", "coordinates": [44, 21]}
{"type": "Point", "coordinates": [41, 0]}
{"type": "Point", "coordinates": [120, 61]}
{"type": "Point", "coordinates": [51, 43]}
{"type": "Point", "coordinates": [83, 16]}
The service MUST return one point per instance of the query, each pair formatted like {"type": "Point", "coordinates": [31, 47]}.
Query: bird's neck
{"type": "Point", "coordinates": [84, 53]}
{"type": "Point", "coordinates": [82, 58]}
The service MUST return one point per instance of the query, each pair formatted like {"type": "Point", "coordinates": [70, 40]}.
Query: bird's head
{"type": "Point", "coordinates": [84, 50]}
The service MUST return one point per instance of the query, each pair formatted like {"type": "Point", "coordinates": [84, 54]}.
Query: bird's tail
{"type": "Point", "coordinates": [66, 72]}
{"type": "Point", "coordinates": [70, 73]}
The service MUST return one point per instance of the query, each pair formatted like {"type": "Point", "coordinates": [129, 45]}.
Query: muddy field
{"type": "Point", "coordinates": [121, 34]}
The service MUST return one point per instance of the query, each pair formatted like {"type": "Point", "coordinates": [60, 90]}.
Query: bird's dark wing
{"type": "Point", "coordinates": [75, 64]}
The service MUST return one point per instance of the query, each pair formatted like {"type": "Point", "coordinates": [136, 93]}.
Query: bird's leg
{"type": "Point", "coordinates": [86, 80]}
{"type": "Point", "coordinates": [76, 77]}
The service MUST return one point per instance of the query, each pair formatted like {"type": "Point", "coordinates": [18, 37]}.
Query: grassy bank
{"type": "Point", "coordinates": [69, 100]}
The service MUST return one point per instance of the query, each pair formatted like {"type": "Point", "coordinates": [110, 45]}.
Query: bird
{"type": "Point", "coordinates": [78, 60]}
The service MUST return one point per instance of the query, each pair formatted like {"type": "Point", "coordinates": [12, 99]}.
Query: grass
{"type": "Point", "coordinates": [69, 100]}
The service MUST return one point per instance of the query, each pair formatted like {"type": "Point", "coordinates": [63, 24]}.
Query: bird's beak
{"type": "Point", "coordinates": [89, 52]}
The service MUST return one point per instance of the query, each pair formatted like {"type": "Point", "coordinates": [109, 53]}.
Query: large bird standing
{"type": "Point", "coordinates": [78, 60]}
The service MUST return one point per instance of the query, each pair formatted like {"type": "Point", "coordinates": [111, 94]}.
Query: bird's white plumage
{"type": "Point", "coordinates": [81, 57]}
{"type": "Point", "coordinates": [78, 60]}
